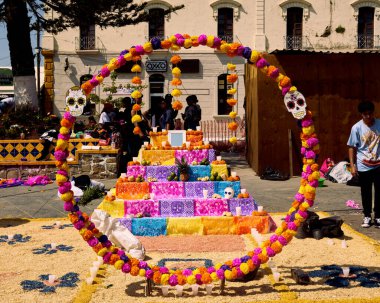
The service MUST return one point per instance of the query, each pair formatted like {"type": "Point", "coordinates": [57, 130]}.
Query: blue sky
{"type": "Point", "coordinates": [5, 59]}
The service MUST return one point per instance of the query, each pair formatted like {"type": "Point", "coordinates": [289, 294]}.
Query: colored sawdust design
{"type": "Point", "coordinates": [211, 243]}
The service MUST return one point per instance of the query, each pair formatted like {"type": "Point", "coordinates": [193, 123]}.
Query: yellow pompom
{"type": "Point", "coordinates": [304, 144]}
{"type": "Point", "coordinates": [279, 231]}
{"type": "Point", "coordinates": [310, 189]}
{"type": "Point", "coordinates": [128, 57]}
{"type": "Point", "coordinates": [164, 279]}
{"type": "Point", "coordinates": [308, 130]}
{"type": "Point", "coordinates": [188, 43]}
{"type": "Point", "coordinates": [304, 168]}
{"type": "Point", "coordinates": [316, 175]}
{"type": "Point", "coordinates": [233, 140]}
{"type": "Point", "coordinates": [232, 115]}
{"type": "Point", "coordinates": [62, 144]}
{"type": "Point", "coordinates": [293, 89]}
{"type": "Point", "coordinates": [142, 272]}
{"type": "Point", "coordinates": [102, 252]}
{"type": "Point", "coordinates": [175, 47]}
{"type": "Point", "coordinates": [280, 77]}
{"type": "Point", "coordinates": [244, 268]}
{"type": "Point", "coordinates": [310, 161]}
{"type": "Point", "coordinates": [82, 231]}
{"type": "Point", "coordinates": [119, 264]}
{"type": "Point", "coordinates": [196, 271]}
{"type": "Point", "coordinates": [148, 47]}
{"type": "Point", "coordinates": [218, 266]}
{"type": "Point", "coordinates": [112, 65]}
{"type": "Point", "coordinates": [225, 47]}
{"type": "Point", "coordinates": [301, 189]}
{"type": "Point", "coordinates": [60, 178]}
{"type": "Point", "coordinates": [231, 66]}
{"type": "Point", "coordinates": [136, 94]}
{"type": "Point", "coordinates": [228, 274]}
{"type": "Point", "coordinates": [100, 78]}
{"type": "Point", "coordinates": [64, 130]}
{"type": "Point", "coordinates": [136, 68]}
{"type": "Point", "coordinates": [214, 276]}
{"type": "Point", "coordinates": [176, 92]}
{"type": "Point", "coordinates": [191, 280]}
{"type": "Point", "coordinates": [136, 119]}
{"type": "Point", "coordinates": [255, 55]}
{"type": "Point", "coordinates": [173, 39]}
{"type": "Point", "coordinates": [210, 41]}
{"type": "Point", "coordinates": [68, 196]}
{"type": "Point", "coordinates": [176, 72]}
{"type": "Point", "coordinates": [232, 91]}
{"type": "Point", "coordinates": [305, 205]}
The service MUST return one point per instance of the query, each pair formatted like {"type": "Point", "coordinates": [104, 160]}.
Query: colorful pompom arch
{"type": "Point", "coordinates": [231, 269]}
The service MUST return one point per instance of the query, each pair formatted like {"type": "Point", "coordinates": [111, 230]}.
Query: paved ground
{"type": "Point", "coordinates": [275, 196]}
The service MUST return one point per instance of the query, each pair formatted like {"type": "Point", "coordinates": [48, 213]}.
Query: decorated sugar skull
{"type": "Point", "coordinates": [229, 193]}
{"type": "Point", "coordinates": [75, 100]}
{"type": "Point", "coordinates": [296, 104]}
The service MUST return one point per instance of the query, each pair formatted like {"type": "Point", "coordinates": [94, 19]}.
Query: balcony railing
{"type": "Point", "coordinates": [87, 43]}
{"type": "Point", "coordinates": [148, 38]}
{"type": "Point", "coordinates": [227, 38]}
{"type": "Point", "coordinates": [368, 41]}
{"type": "Point", "coordinates": [297, 42]}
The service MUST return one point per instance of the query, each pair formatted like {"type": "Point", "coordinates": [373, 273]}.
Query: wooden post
{"type": "Point", "coordinates": [222, 284]}
{"type": "Point", "coordinates": [290, 153]}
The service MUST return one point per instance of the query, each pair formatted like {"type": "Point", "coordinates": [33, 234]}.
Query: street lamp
{"type": "Point", "coordinates": [38, 54]}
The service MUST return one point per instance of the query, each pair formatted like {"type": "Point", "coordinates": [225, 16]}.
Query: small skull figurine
{"type": "Point", "coordinates": [296, 104]}
{"type": "Point", "coordinates": [75, 100]}
{"type": "Point", "coordinates": [229, 193]}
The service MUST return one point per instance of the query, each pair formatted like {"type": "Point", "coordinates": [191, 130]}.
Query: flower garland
{"type": "Point", "coordinates": [176, 72]}
{"type": "Point", "coordinates": [231, 269]}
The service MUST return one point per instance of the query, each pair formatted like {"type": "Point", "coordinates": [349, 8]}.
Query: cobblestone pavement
{"type": "Point", "coordinates": [275, 196]}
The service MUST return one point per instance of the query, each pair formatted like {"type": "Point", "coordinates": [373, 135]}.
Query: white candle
{"type": "Point", "coordinates": [165, 290]}
{"type": "Point", "coordinates": [146, 143]}
{"type": "Point", "coordinates": [187, 144]}
{"type": "Point", "coordinates": [93, 271]}
{"type": "Point", "coordinates": [52, 279]}
{"type": "Point", "coordinates": [207, 142]}
{"type": "Point", "coordinates": [238, 211]}
{"type": "Point", "coordinates": [198, 128]}
{"type": "Point", "coordinates": [109, 194]}
{"type": "Point", "coordinates": [218, 158]}
{"type": "Point", "coordinates": [344, 244]}
{"type": "Point", "coordinates": [163, 143]}
{"type": "Point", "coordinates": [135, 159]}
{"type": "Point", "coordinates": [276, 276]}
{"type": "Point", "coordinates": [58, 224]}
{"type": "Point", "coordinates": [89, 280]}
{"type": "Point", "coordinates": [260, 208]}
{"type": "Point", "coordinates": [243, 191]}
{"type": "Point", "coordinates": [179, 290]}
{"type": "Point", "coordinates": [53, 245]}
{"type": "Point", "coordinates": [254, 232]}
{"type": "Point", "coordinates": [154, 129]}
{"type": "Point", "coordinates": [233, 174]}
{"type": "Point", "coordinates": [205, 193]}
{"type": "Point", "coordinates": [346, 271]}
{"type": "Point", "coordinates": [10, 237]}
{"type": "Point", "coordinates": [123, 175]}
{"type": "Point", "coordinates": [209, 288]}
{"type": "Point", "coordinates": [194, 289]}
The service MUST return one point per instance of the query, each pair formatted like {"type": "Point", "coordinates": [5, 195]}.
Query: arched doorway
{"type": "Point", "coordinates": [365, 27]}
{"type": "Point", "coordinates": [294, 28]}
{"type": "Point", "coordinates": [156, 93]}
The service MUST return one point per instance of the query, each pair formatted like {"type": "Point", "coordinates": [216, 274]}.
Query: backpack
{"type": "Point", "coordinates": [318, 228]}
{"type": "Point", "coordinates": [340, 172]}
{"type": "Point", "coordinates": [82, 181]}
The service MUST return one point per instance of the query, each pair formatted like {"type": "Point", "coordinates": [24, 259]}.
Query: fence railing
{"type": "Point", "coordinates": [297, 42]}
{"type": "Point", "coordinates": [88, 43]}
{"type": "Point", "coordinates": [217, 130]}
{"type": "Point", "coordinates": [368, 41]}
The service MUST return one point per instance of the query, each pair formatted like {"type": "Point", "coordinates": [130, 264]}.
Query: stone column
{"type": "Point", "coordinates": [260, 39]}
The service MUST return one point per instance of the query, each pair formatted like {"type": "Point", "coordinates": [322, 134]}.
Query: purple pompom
{"type": "Point", "coordinates": [93, 241]}
{"type": "Point", "coordinates": [79, 224]}
{"type": "Point", "coordinates": [107, 244]}
{"type": "Point", "coordinates": [123, 52]}
{"type": "Point", "coordinates": [274, 74]}
{"type": "Point", "coordinates": [240, 50]}
{"type": "Point", "coordinates": [107, 257]}
{"type": "Point", "coordinates": [91, 226]}
{"type": "Point", "coordinates": [217, 42]}
{"type": "Point", "coordinates": [60, 155]}
{"type": "Point", "coordinates": [247, 53]}
{"type": "Point", "coordinates": [202, 39]}
{"type": "Point", "coordinates": [126, 268]}
{"type": "Point", "coordinates": [156, 43]}
{"type": "Point", "coordinates": [312, 142]}
{"type": "Point", "coordinates": [262, 63]}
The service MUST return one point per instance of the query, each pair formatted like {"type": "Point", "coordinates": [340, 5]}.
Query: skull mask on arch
{"type": "Point", "coordinates": [75, 100]}
{"type": "Point", "coordinates": [296, 104]}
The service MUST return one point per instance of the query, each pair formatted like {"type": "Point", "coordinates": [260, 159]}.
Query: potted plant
{"type": "Point", "coordinates": [183, 168]}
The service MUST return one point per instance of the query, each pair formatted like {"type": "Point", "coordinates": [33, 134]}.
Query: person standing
{"type": "Point", "coordinates": [166, 119]}
{"type": "Point", "coordinates": [191, 115]}
{"type": "Point", "coordinates": [364, 155]}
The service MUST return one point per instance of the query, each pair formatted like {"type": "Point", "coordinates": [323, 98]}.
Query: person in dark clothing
{"type": "Point", "coordinates": [47, 139]}
{"type": "Point", "coordinates": [138, 139]}
{"type": "Point", "coordinates": [192, 113]}
{"type": "Point", "coordinates": [174, 113]}
{"type": "Point", "coordinates": [166, 119]}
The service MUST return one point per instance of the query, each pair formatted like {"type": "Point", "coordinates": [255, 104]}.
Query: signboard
{"type": "Point", "coordinates": [177, 137]}
{"type": "Point", "coordinates": [156, 66]}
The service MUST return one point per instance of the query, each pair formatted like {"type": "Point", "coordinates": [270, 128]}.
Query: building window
{"type": "Point", "coordinates": [156, 23]}
{"type": "Point", "coordinates": [365, 27]}
{"type": "Point", "coordinates": [87, 37]}
{"type": "Point", "coordinates": [6, 77]}
{"type": "Point", "coordinates": [223, 107]}
{"type": "Point", "coordinates": [294, 28]}
{"type": "Point", "coordinates": [226, 24]}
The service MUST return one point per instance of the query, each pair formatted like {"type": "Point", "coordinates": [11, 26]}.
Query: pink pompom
{"type": "Point", "coordinates": [262, 63]}
{"type": "Point", "coordinates": [202, 39]}
{"type": "Point", "coordinates": [285, 90]}
{"type": "Point", "coordinates": [310, 155]}
{"type": "Point", "coordinates": [310, 202]}
{"type": "Point", "coordinates": [105, 72]}
{"type": "Point", "coordinates": [126, 268]}
{"type": "Point", "coordinates": [256, 260]}
{"type": "Point", "coordinates": [299, 197]}
{"type": "Point", "coordinates": [270, 252]}
{"type": "Point", "coordinates": [217, 42]}
{"type": "Point", "coordinates": [139, 49]}
{"type": "Point", "coordinates": [180, 41]}
{"type": "Point", "coordinates": [79, 225]}
{"type": "Point", "coordinates": [307, 122]}
{"type": "Point", "coordinates": [302, 213]}
{"type": "Point", "coordinates": [314, 183]}
{"type": "Point", "coordinates": [220, 274]}
{"type": "Point", "coordinates": [312, 142]}
{"type": "Point", "coordinates": [274, 74]}
{"type": "Point", "coordinates": [94, 82]}
{"type": "Point", "coordinates": [60, 155]}
{"type": "Point", "coordinates": [64, 188]}
{"type": "Point", "coordinates": [273, 238]}
{"type": "Point", "coordinates": [240, 50]}
{"type": "Point", "coordinates": [303, 150]}
{"type": "Point", "coordinates": [282, 240]}
{"type": "Point", "coordinates": [257, 250]}
{"type": "Point", "coordinates": [62, 172]}
{"type": "Point", "coordinates": [305, 175]}
{"type": "Point", "coordinates": [149, 274]}
{"type": "Point", "coordinates": [68, 206]}
{"type": "Point", "coordinates": [107, 257]}
{"type": "Point", "coordinates": [93, 241]}
{"type": "Point", "coordinates": [292, 226]}
{"type": "Point", "coordinates": [121, 61]}
{"type": "Point", "coordinates": [64, 137]}
{"type": "Point", "coordinates": [69, 117]}
{"type": "Point", "coordinates": [178, 36]}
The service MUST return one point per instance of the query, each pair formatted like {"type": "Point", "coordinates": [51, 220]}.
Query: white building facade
{"type": "Point", "coordinates": [333, 25]}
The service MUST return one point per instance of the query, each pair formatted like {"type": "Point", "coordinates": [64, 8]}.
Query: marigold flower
{"type": "Point", "coordinates": [232, 115]}
{"type": "Point", "coordinates": [232, 91]}
{"type": "Point", "coordinates": [137, 130]}
{"type": "Point", "coordinates": [177, 105]}
{"type": "Point", "coordinates": [135, 271]}
{"type": "Point", "coordinates": [136, 119]}
{"type": "Point", "coordinates": [136, 94]}
{"type": "Point", "coordinates": [176, 82]}
{"type": "Point", "coordinates": [176, 92]}
{"type": "Point", "coordinates": [175, 47]}
{"type": "Point", "coordinates": [136, 58]}
{"type": "Point", "coordinates": [176, 72]}
{"type": "Point", "coordinates": [148, 47]}
{"type": "Point", "coordinates": [232, 78]}
{"type": "Point", "coordinates": [128, 57]}
{"type": "Point", "coordinates": [166, 44]}
{"type": "Point", "coordinates": [188, 43]}
{"type": "Point", "coordinates": [136, 68]}
{"type": "Point", "coordinates": [231, 102]}
{"type": "Point", "coordinates": [175, 59]}
{"type": "Point", "coordinates": [231, 66]}
{"type": "Point", "coordinates": [136, 80]}
{"type": "Point", "coordinates": [232, 126]}
{"type": "Point", "coordinates": [136, 107]}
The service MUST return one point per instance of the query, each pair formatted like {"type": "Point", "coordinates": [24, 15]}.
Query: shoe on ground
{"type": "Point", "coordinates": [366, 222]}
{"type": "Point", "coordinates": [377, 222]}
{"type": "Point", "coordinates": [300, 276]}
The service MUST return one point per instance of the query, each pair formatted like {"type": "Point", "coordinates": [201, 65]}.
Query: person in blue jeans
{"type": "Point", "coordinates": [364, 155]}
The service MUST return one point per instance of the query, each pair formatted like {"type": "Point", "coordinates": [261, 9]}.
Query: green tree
{"type": "Point", "coordinates": [22, 16]}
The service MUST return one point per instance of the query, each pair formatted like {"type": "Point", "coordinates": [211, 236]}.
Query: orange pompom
{"type": "Point", "coordinates": [232, 126]}
{"type": "Point", "coordinates": [232, 102]}
{"type": "Point", "coordinates": [175, 59]}
{"type": "Point", "coordinates": [166, 44]}
{"type": "Point", "coordinates": [137, 81]}
{"type": "Point", "coordinates": [136, 107]}
{"type": "Point", "coordinates": [66, 123]}
{"type": "Point", "coordinates": [232, 78]}
{"type": "Point", "coordinates": [177, 105]}
{"type": "Point", "coordinates": [136, 130]}
{"type": "Point", "coordinates": [176, 82]}
{"type": "Point", "coordinates": [114, 258]}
